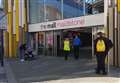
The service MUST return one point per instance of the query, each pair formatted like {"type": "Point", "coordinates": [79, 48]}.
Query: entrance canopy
{"type": "Point", "coordinates": [83, 21]}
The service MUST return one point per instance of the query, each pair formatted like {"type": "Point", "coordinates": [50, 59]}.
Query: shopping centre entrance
{"type": "Point", "coordinates": [85, 35]}
{"type": "Point", "coordinates": [50, 43]}
{"type": "Point", "coordinates": [47, 37]}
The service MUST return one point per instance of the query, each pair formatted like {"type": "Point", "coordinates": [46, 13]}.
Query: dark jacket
{"type": "Point", "coordinates": [108, 45]}
{"type": "Point", "coordinates": [23, 47]}
{"type": "Point", "coordinates": [1, 53]}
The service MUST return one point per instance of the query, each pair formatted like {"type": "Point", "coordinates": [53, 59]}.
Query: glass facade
{"type": "Point", "coordinates": [51, 42]}
{"type": "Point", "coordinates": [51, 10]}
{"type": "Point", "coordinates": [1, 4]}
{"type": "Point", "coordinates": [71, 8]}
{"type": "Point", "coordinates": [36, 12]}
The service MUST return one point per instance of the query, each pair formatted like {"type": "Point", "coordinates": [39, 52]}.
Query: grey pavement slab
{"type": "Point", "coordinates": [3, 77]}
{"type": "Point", "coordinates": [9, 73]}
{"type": "Point", "coordinates": [2, 70]}
{"type": "Point", "coordinates": [86, 80]}
{"type": "Point", "coordinates": [47, 68]}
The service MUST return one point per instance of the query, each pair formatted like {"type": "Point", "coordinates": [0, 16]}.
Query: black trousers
{"type": "Point", "coordinates": [1, 59]}
{"type": "Point", "coordinates": [101, 63]}
{"type": "Point", "coordinates": [76, 52]}
{"type": "Point", "coordinates": [2, 62]}
{"type": "Point", "coordinates": [1, 56]}
{"type": "Point", "coordinates": [66, 54]}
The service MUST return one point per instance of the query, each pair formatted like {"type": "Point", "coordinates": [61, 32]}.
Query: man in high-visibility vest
{"type": "Point", "coordinates": [66, 48]}
{"type": "Point", "coordinates": [102, 45]}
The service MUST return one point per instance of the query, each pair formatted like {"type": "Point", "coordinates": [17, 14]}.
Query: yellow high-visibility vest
{"type": "Point", "coordinates": [66, 45]}
{"type": "Point", "coordinates": [100, 46]}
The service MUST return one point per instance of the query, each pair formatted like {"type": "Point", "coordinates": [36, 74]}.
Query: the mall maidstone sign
{"type": "Point", "coordinates": [83, 21]}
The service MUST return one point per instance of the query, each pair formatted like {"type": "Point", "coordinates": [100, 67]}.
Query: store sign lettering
{"type": "Point", "coordinates": [70, 23]}
{"type": "Point", "coordinates": [64, 23]}
{"type": "Point", "coordinates": [47, 26]}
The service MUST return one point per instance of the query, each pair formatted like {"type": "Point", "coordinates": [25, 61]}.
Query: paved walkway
{"type": "Point", "coordinates": [86, 80]}
{"type": "Point", "coordinates": [3, 78]}
{"type": "Point", "coordinates": [48, 69]}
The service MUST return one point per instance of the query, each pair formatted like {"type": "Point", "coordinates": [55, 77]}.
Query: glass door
{"type": "Point", "coordinates": [49, 46]}
{"type": "Point", "coordinates": [41, 43]}
{"type": "Point", "coordinates": [57, 43]}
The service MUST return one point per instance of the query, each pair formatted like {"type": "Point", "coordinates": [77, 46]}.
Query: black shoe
{"type": "Point", "coordinates": [97, 72]}
{"type": "Point", "coordinates": [76, 58]}
{"type": "Point", "coordinates": [66, 59]}
{"type": "Point", "coordinates": [2, 64]}
{"type": "Point", "coordinates": [104, 73]}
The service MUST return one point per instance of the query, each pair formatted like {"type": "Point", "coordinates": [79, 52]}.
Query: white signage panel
{"type": "Point", "coordinates": [83, 21]}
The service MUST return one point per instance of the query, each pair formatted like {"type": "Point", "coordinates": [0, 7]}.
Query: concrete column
{"type": "Point", "coordinates": [17, 19]}
{"type": "Point", "coordinates": [10, 25]}
{"type": "Point", "coordinates": [14, 30]}
{"type": "Point", "coordinates": [116, 37]}
{"type": "Point", "coordinates": [25, 16]}
{"type": "Point", "coordinates": [118, 26]}
{"type": "Point", "coordinates": [116, 34]}
{"type": "Point", "coordinates": [119, 39]}
{"type": "Point", "coordinates": [6, 44]}
{"type": "Point", "coordinates": [110, 28]}
{"type": "Point", "coordinates": [36, 40]}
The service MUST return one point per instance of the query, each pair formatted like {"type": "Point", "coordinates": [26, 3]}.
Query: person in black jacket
{"type": "Point", "coordinates": [1, 56]}
{"type": "Point", "coordinates": [22, 52]}
{"type": "Point", "coordinates": [101, 55]}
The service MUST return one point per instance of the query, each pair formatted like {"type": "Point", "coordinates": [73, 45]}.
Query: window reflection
{"type": "Point", "coordinates": [51, 10]}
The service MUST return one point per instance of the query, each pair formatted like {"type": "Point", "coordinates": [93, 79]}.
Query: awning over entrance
{"type": "Point", "coordinates": [83, 21]}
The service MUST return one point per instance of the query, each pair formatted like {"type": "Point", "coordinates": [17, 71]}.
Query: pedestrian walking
{"type": "Point", "coordinates": [66, 48]}
{"type": "Point", "coordinates": [22, 51]}
{"type": "Point", "coordinates": [76, 47]}
{"type": "Point", "coordinates": [101, 47]}
{"type": "Point", "coordinates": [1, 55]}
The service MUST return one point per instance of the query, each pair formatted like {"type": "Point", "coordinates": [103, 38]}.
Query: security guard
{"type": "Point", "coordinates": [101, 47]}
{"type": "Point", "coordinates": [66, 48]}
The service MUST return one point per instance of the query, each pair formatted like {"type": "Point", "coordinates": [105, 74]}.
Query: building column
{"type": "Point", "coordinates": [114, 32]}
{"type": "Point", "coordinates": [116, 59]}
{"type": "Point", "coordinates": [10, 25]}
{"type": "Point", "coordinates": [116, 35]}
{"type": "Point", "coordinates": [6, 44]}
{"type": "Point", "coordinates": [118, 1]}
{"type": "Point", "coordinates": [25, 28]}
{"type": "Point", "coordinates": [119, 39]}
{"type": "Point", "coordinates": [17, 23]}
{"type": "Point", "coordinates": [5, 33]}
{"type": "Point", "coordinates": [14, 29]}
